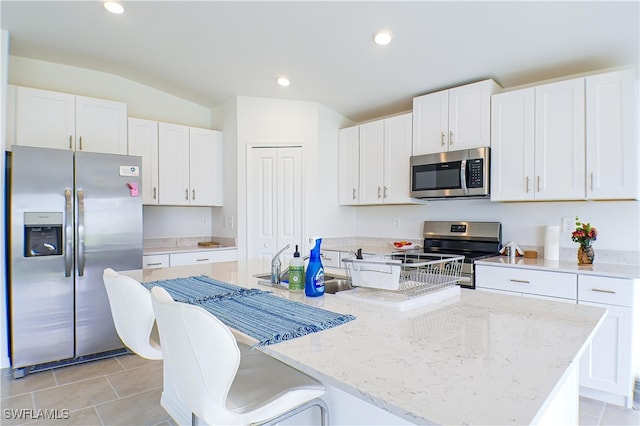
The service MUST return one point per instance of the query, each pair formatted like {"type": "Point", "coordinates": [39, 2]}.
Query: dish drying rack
{"type": "Point", "coordinates": [412, 274]}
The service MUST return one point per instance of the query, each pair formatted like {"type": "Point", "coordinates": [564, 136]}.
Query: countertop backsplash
{"type": "Point", "coordinates": [187, 242]}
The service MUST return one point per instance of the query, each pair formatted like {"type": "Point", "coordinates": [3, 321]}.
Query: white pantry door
{"type": "Point", "coordinates": [274, 202]}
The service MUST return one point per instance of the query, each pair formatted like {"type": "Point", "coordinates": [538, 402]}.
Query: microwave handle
{"type": "Point", "coordinates": [463, 177]}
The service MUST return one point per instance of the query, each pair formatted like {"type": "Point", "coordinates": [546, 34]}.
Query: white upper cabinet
{"type": "Point", "coordinates": [559, 141]}
{"type": "Point", "coordinates": [374, 162]}
{"type": "Point", "coordinates": [173, 163]}
{"type": "Point", "coordinates": [512, 145]}
{"type": "Point", "coordinates": [431, 123]}
{"type": "Point", "coordinates": [612, 136]}
{"type": "Point", "coordinates": [190, 165]}
{"type": "Point", "coordinates": [397, 151]}
{"type": "Point", "coordinates": [454, 119]}
{"type": "Point", "coordinates": [537, 143]}
{"type": "Point", "coordinates": [143, 142]}
{"type": "Point", "coordinates": [348, 165]}
{"type": "Point", "coordinates": [205, 167]}
{"type": "Point", "coordinates": [101, 126]}
{"type": "Point", "coordinates": [62, 121]}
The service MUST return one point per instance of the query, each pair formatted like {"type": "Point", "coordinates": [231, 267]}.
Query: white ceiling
{"type": "Point", "coordinates": [211, 51]}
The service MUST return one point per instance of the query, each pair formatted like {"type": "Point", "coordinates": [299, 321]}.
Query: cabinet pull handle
{"type": "Point", "coordinates": [539, 180]}
{"type": "Point", "coordinates": [186, 194]}
{"type": "Point", "coordinates": [379, 189]}
{"type": "Point", "coordinates": [527, 184]}
{"type": "Point", "coordinates": [385, 192]}
{"type": "Point", "coordinates": [154, 192]}
{"type": "Point", "coordinates": [591, 180]}
{"type": "Point", "coordinates": [354, 193]}
{"type": "Point", "coordinates": [80, 143]}
{"type": "Point", "coordinates": [599, 290]}
{"type": "Point", "coordinates": [201, 260]}
{"type": "Point", "coordinates": [70, 141]}
{"type": "Point", "coordinates": [442, 138]}
{"type": "Point", "coordinates": [513, 280]}
{"type": "Point", "coordinates": [450, 137]}
{"type": "Point", "coordinates": [154, 264]}
{"type": "Point", "coordinates": [193, 194]}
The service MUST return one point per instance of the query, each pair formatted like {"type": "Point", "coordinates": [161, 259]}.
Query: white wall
{"type": "Point", "coordinates": [225, 219]}
{"type": "Point", "coordinates": [274, 122]}
{"type": "Point", "coordinates": [4, 56]}
{"type": "Point", "coordinates": [177, 221]}
{"type": "Point", "coordinates": [331, 220]}
{"type": "Point", "coordinates": [617, 221]}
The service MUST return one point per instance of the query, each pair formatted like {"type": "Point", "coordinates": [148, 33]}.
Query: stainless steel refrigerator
{"type": "Point", "coordinates": [72, 215]}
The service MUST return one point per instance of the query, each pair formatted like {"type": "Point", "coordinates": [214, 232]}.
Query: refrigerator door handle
{"type": "Point", "coordinates": [80, 195]}
{"type": "Point", "coordinates": [68, 236]}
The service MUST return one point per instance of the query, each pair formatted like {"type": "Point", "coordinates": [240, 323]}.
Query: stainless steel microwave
{"type": "Point", "coordinates": [451, 174]}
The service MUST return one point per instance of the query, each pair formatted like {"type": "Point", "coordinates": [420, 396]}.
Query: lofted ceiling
{"type": "Point", "coordinates": [210, 51]}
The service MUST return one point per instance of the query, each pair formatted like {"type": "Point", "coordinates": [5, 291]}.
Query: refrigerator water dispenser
{"type": "Point", "coordinates": [42, 234]}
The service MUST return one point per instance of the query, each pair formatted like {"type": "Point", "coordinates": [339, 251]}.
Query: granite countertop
{"type": "Point", "coordinates": [602, 269]}
{"type": "Point", "coordinates": [479, 358]}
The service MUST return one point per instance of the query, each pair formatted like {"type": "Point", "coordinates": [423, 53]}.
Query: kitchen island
{"type": "Point", "coordinates": [479, 358]}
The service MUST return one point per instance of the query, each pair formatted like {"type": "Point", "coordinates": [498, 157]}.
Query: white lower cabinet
{"type": "Point", "coordinates": [608, 365]}
{"type": "Point", "coordinates": [154, 261]}
{"type": "Point", "coordinates": [206, 256]}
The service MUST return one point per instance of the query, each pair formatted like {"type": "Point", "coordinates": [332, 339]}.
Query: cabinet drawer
{"type": "Point", "coordinates": [191, 258]}
{"type": "Point", "coordinates": [611, 291]}
{"type": "Point", "coordinates": [155, 261]}
{"type": "Point", "coordinates": [544, 283]}
{"type": "Point", "coordinates": [209, 256]}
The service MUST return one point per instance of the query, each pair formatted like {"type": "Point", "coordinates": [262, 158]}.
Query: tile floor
{"type": "Point", "coordinates": [125, 390]}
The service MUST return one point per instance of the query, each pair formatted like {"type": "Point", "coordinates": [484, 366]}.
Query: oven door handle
{"type": "Point", "coordinates": [463, 177]}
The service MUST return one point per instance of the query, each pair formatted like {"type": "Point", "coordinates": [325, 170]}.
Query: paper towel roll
{"type": "Point", "coordinates": [552, 242]}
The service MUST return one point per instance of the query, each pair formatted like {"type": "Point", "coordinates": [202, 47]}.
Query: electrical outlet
{"type": "Point", "coordinates": [395, 222]}
{"type": "Point", "coordinates": [568, 224]}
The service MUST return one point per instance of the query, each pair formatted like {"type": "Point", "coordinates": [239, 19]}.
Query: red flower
{"type": "Point", "coordinates": [584, 234]}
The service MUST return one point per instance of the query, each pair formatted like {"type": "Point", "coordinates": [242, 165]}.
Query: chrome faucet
{"type": "Point", "coordinates": [275, 266]}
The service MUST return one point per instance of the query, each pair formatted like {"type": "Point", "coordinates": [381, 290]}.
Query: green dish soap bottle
{"type": "Point", "coordinates": [296, 273]}
{"type": "Point", "coordinates": [314, 277]}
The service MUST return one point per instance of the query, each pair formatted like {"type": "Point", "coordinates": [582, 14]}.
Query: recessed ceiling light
{"type": "Point", "coordinates": [113, 7]}
{"type": "Point", "coordinates": [283, 81]}
{"type": "Point", "coordinates": [382, 38]}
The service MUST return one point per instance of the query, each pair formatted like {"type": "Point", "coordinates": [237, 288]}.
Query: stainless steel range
{"type": "Point", "coordinates": [474, 240]}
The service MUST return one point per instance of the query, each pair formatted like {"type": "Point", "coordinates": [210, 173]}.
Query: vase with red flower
{"type": "Point", "coordinates": [584, 235]}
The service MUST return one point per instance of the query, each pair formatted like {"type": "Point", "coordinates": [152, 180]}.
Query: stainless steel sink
{"type": "Point", "coordinates": [332, 283]}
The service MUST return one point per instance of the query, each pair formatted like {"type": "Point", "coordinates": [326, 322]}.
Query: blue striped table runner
{"type": "Point", "coordinates": [259, 314]}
